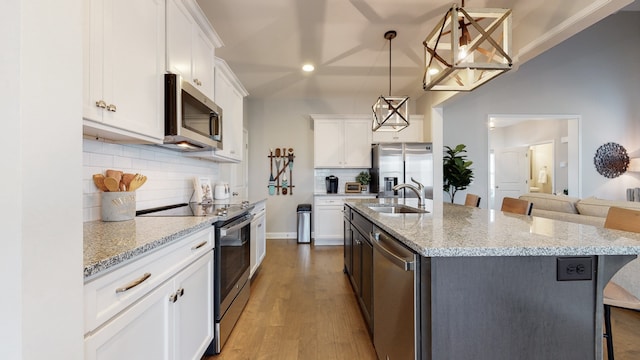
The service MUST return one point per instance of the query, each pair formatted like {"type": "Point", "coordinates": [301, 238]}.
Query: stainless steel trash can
{"type": "Point", "coordinates": [304, 223]}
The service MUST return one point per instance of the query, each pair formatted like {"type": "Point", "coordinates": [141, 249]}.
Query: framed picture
{"type": "Point", "coordinates": [203, 190]}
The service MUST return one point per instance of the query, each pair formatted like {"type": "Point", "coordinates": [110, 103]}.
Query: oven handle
{"type": "Point", "coordinates": [235, 226]}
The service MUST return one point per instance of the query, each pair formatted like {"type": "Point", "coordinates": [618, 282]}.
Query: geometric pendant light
{"type": "Point", "coordinates": [467, 48]}
{"type": "Point", "coordinates": [390, 113]}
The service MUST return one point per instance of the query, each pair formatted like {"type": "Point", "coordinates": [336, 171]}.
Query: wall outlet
{"type": "Point", "coordinates": [574, 268]}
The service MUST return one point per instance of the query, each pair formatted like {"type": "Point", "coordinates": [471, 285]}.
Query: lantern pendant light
{"type": "Point", "coordinates": [390, 113]}
{"type": "Point", "coordinates": [467, 48]}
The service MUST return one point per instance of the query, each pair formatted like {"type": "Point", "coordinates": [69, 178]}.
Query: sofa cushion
{"type": "Point", "coordinates": [598, 207]}
{"type": "Point", "coordinates": [574, 218]}
{"type": "Point", "coordinates": [560, 203]}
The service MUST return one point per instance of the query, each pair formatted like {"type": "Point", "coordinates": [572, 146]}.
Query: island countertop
{"type": "Point", "coordinates": [448, 230]}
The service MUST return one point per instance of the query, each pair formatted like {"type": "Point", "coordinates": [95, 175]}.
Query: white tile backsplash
{"type": "Point", "coordinates": [344, 175]}
{"type": "Point", "coordinates": [169, 173]}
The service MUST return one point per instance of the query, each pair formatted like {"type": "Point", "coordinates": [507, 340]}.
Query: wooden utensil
{"type": "Point", "coordinates": [116, 174]}
{"type": "Point", "coordinates": [126, 179]}
{"type": "Point", "coordinates": [98, 180]}
{"type": "Point", "coordinates": [111, 184]}
{"type": "Point", "coordinates": [136, 182]}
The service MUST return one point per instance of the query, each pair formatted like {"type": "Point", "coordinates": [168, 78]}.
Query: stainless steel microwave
{"type": "Point", "coordinates": [192, 121]}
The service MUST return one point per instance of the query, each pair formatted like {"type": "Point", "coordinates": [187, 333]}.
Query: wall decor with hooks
{"type": "Point", "coordinates": [279, 182]}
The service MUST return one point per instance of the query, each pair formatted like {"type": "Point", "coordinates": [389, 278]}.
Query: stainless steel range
{"type": "Point", "coordinates": [231, 259]}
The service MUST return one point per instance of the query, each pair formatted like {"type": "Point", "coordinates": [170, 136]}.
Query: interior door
{"type": "Point", "coordinates": [511, 173]}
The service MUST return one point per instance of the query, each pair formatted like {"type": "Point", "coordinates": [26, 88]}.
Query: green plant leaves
{"type": "Point", "coordinates": [457, 174]}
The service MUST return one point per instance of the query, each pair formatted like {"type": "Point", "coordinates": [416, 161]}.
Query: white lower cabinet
{"type": "Point", "coordinates": [157, 307]}
{"type": "Point", "coordinates": [174, 321]}
{"type": "Point", "coordinates": [193, 311]}
{"type": "Point", "coordinates": [258, 236]}
{"type": "Point", "coordinates": [328, 219]}
{"type": "Point", "coordinates": [141, 332]}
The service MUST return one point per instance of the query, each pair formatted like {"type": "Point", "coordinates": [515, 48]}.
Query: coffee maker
{"type": "Point", "coordinates": [332, 184]}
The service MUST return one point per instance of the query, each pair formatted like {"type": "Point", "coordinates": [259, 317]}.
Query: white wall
{"type": "Point", "coordinates": [594, 75]}
{"type": "Point", "coordinates": [169, 173]}
{"type": "Point", "coordinates": [286, 123]}
{"type": "Point", "coordinates": [41, 251]}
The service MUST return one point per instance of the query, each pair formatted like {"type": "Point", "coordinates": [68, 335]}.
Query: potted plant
{"type": "Point", "coordinates": [363, 178]}
{"type": "Point", "coordinates": [457, 174]}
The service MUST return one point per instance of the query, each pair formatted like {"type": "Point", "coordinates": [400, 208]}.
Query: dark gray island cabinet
{"type": "Point", "coordinates": [486, 284]}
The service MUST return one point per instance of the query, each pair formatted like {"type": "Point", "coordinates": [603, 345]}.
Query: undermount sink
{"type": "Point", "coordinates": [396, 209]}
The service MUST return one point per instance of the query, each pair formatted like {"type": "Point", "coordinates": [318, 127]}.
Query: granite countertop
{"type": "Point", "coordinates": [109, 244]}
{"type": "Point", "coordinates": [360, 194]}
{"type": "Point", "coordinates": [455, 230]}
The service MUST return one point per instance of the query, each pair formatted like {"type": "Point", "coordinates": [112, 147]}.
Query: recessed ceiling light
{"type": "Point", "coordinates": [308, 68]}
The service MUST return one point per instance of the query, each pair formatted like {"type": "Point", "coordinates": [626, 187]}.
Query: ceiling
{"type": "Point", "coordinates": [267, 42]}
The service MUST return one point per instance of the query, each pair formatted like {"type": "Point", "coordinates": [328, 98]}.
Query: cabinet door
{"type": "Point", "coordinates": [134, 51]}
{"type": "Point", "coordinates": [328, 224]}
{"type": "Point", "coordinates": [348, 247]}
{"type": "Point", "coordinates": [413, 133]}
{"type": "Point", "coordinates": [357, 142]}
{"type": "Point", "coordinates": [141, 332]}
{"type": "Point", "coordinates": [328, 144]}
{"type": "Point", "coordinates": [230, 100]}
{"type": "Point", "coordinates": [194, 309]}
{"type": "Point", "coordinates": [179, 24]}
{"type": "Point", "coordinates": [261, 239]}
{"type": "Point", "coordinates": [258, 236]}
{"type": "Point", "coordinates": [356, 262]}
{"type": "Point", "coordinates": [202, 63]}
{"type": "Point", "coordinates": [366, 288]}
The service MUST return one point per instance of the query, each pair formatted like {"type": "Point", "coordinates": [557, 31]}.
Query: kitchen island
{"type": "Point", "coordinates": [493, 285]}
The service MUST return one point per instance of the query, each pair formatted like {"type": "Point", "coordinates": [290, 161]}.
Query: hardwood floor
{"type": "Point", "coordinates": [302, 307]}
{"type": "Point", "coordinates": [625, 327]}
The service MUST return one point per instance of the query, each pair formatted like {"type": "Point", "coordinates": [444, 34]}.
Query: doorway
{"type": "Point", "coordinates": [533, 153]}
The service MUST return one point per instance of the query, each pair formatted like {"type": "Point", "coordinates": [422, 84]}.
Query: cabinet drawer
{"type": "Point", "coordinates": [106, 296]}
{"type": "Point", "coordinates": [363, 225]}
{"type": "Point", "coordinates": [327, 200]}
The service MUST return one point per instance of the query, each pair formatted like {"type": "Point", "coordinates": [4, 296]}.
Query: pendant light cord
{"type": "Point", "coordinates": [390, 67]}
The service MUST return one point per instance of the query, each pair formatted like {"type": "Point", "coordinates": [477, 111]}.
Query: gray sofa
{"type": "Point", "coordinates": [590, 211]}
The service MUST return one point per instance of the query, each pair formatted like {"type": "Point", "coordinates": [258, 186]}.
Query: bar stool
{"type": "Point", "coordinates": [472, 200]}
{"type": "Point", "coordinates": [614, 294]}
{"type": "Point", "coordinates": [516, 206]}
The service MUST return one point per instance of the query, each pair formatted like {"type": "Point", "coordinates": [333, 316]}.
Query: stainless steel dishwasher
{"type": "Point", "coordinates": [395, 289]}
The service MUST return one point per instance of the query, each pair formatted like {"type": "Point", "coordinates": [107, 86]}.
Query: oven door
{"type": "Point", "coordinates": [234, 259]}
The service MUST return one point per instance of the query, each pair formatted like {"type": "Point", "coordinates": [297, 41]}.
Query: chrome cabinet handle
{"type": "Point", "coordinates": [197, 82]}
{"type": "Point", "coordinates": [196, 247]}
{"type": "Point", "coordinates": [134, 283]}
{"type": "Point", "coordinates": [101, 104]}
{"type": "Point", "coordinates": [111, 108]}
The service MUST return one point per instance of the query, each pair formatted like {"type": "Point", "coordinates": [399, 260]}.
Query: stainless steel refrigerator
{"type": "Point", "coordinates": [397, 163]}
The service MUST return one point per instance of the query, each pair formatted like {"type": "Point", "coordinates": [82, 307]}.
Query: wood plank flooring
{"type": "Point", "coordinates": [302, 307]}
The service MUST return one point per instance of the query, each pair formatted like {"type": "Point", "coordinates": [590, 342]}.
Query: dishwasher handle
{"type": "Point", "coordinates": [382, 242]}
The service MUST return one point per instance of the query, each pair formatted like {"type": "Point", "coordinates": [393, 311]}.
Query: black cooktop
{"type": "Point", "coordinates": [223, 211]}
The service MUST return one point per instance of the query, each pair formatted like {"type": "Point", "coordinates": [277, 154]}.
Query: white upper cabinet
{"type": "Point", "coordinates": [230, 97]}
{"type": "Point", "coordinates": [124, 47]}
{"type": "Point", "coordinates": [412, 133]}
{"type": "Point", "coordinates": [191, 44]}
{"type": "Point", "coordinates": [341, 141]}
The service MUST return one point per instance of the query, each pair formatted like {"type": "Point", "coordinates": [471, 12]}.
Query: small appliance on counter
{"type": "Point", "coordinates": [352, 187]}
{"type": "Point", "coordinates": [221, 191]}
{"type": "Point", "coordinates": [332, 184]}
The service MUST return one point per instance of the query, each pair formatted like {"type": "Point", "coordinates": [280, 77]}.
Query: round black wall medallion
{"type": "Point", "coordinates": [611, 160]}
